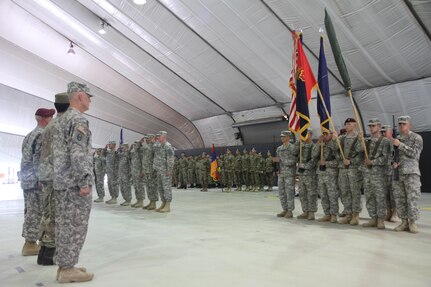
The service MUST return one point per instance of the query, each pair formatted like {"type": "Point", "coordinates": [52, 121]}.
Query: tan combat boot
{"type": "Point", "coordinates": [325, 218]}
{"type": "Point", "coordinates": [125, 203]}
{"type": "Point", "coordinates": [138, 204]}
{"type": "Point", "coordinates": [346, 219]}
{"type": "Point", "coordinates": [303, 215]}
{"type": "Point", "coordinates": [69, 275]}
{"type": "Point", "coordinates": [380, 223]}
{"type": "Point", "coordinates": [404, 226]}
{"type": "Point", "coordinates": [82, 269]}
{"type": "Point", "coordinates": [394, 217]}
{"type": "Point", "coordinates": [370, 223]}
{"type": "Point", "coordinates": [388, 214]}
{"type": "Point", "coordinates": [310, 215]}
{"type": "Point", "coordinates": [30, 248]}
{"type": "Point", "coordinates": [333, 218]}
{"type": "Point", "coordinates": [166, 208]}
{"type": "Point", "coordinates": [282, 214]}
{"type": "Point", "coordinates": [355, 219]}
{"type": "Point", "coordinates": [151, 205]}
{"type": "Point", "coordinates": [161, 206]}
{"type": "Point", "coordinates": [413, 228]}
{"type": "Point", "coordinates": [112, 201]}
{"type": "Point", "coordinates": [288, 214]}
{"type": "Point", "coordinates": [99, 199]}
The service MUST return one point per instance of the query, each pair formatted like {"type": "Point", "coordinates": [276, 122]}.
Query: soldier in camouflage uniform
{"type": "Point", "coordinates": [112, 172]}
{"type": "Point", "coordinates": [100, 171]}
{"type": "Point", "coordinates": [163, 164]}
{"type": "Point", "coordinates": [238, 170]}
{"type": "Point", "coordinates": [349, 175]}
{"type": "Point", "coordinates": [269, 170]}
{"type": "Point", "coordinates": [245, 161]}
{"type": "Point", "coordinates": [220, 164]}
{"type": "Point", "coordinates": [182, 171]}
{"type": "Point", "coordinates": [32, 188]}
{"type": "Point", "coordinates": [375, 175]}
{"type": "Point", "coordinates": [191, 167]}
{"type": "Point", "coordinates": [229, 170]}
{"type": "Point", "coordinates": [204, 169]}
{"type": "Point", "coordinates": [261, 171]}
{"type": "Point", "coordinates": [148, 173]}
{"type": "Point", "coordinates": [136, 171]}
{"type": "Point", "coordinates": [124, 174]}
{"type": "Point", "coordinates": [307, 179]}
{"type": "Point", "coordinates": [408, 187]}
{"type": "Point", "coordinates": [72, 178]}
{"type": "Point", "coordinates": [327, 175]}
{"type": "Point", "coordinates": [47, 225]}
{"type": "Point", "coordinates": [175, 173]}
{"type": "Point", "coordinates": [287, 156]}
{"type": "Point", "coordinates": [391, 213]}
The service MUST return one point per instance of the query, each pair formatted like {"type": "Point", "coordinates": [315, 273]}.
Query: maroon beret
{"type": "Point", "coordinates": [45, 113]}
{"type": "Point", "coordinates": [349, 120]}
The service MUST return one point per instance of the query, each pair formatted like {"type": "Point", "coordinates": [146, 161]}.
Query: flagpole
{"type": "Point", "coordinates": [355, 111]}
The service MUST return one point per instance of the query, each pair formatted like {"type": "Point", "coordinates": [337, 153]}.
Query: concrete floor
{"type": "Point", "coordinates": [220, 239]}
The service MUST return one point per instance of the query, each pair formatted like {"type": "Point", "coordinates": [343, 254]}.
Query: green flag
{"type": "Point", "coordinates": [332, 37]}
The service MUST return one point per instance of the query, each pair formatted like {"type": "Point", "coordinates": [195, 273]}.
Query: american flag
{"type": "Point", "coordinates": [293, 117]}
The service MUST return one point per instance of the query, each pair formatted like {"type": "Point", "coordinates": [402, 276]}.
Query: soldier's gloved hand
{"type": "Point", "coordinates": [396, 142]}
{"type": "Point", "coordinates": [346, 162]}
{"type": "Point", "coordinates": [368, 162]}
{"type": "Point", "coordinates": [84, 191]}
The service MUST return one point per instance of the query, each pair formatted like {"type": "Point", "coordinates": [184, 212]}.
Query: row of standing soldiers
{"type": "Point", "coordinates": [249, 168]}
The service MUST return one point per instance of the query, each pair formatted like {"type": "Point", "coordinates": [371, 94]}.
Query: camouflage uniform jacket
{"type": "Point", "coordinates": [238, 163]}
{"type": "Point", "coordinates": [46, 167]}
{"type": "Point", "coordinates": [330, 152]}
{"type": "Point", "coordinates": [410, 151]}
{"type": "Point", "coordinates": [308, 160]}
{"type": "Point", "coordinates": [182, 163]}
{"type": "Point", "coordinates": [269, 164]}
{"type": "Point", "coordinates": [354, 154]}
{"type": "Point", "coordinates": [229, 163]}
{"type": "Point", "coordinates": [100, 164]}
{"type": "Point", "coordinates": [135, 160]}
{"type": "Point", "coordinates": [73, 162]}
{"type": "Point", "coordinates": [111, 162]}
{"type": "Point", "coordinates": [164, 157]}
{"type": "Point", "coordinates": [124, 168]}
{"type": "Point", "coordinates": [30, 161]}
{"type": "Point", "coordinates": [147, 152]}
{"type": "Point", "coordinates": [245, 162]}
{"type": "Point", "coordinates": [288, 156]}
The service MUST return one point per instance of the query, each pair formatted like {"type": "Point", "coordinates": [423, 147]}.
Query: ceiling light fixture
{"type": "Point", "coordinates": [102, 30]}
{"type": "Point", "coordinates": [140, 2]}
{"type": "Point", "coordinates": [71, 51]}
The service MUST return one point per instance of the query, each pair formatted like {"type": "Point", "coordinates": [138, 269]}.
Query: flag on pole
{"type": "Point", "coordinates": [293, 117]}
{"type": "Point", "coordinates": [322, 78]}
{"type": "Point", "coordinates": [214, 166]}
{"type": "Point", "coordinates": [121, 136]}
{"type": "Point", "coordinates": [306, 84]}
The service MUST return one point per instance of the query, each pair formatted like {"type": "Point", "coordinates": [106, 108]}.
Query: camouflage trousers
{"type": "Point", "coordinates": [100, 184]}
{"type": "Point", "coordinates": [164, 186]}
{"type": "Point", "coordinates": [182, 177]}
{"type": "Point", "coordinates": [328, 191]}
{"type": "Point", "coordinates": [349, 183]}
{"type": "Point", "coordinates": [269, 178]}
{"type": "Point", "coordinates": [126, 187]}
{"type": "Point", "coordinates": [375, 193]}
{"type": "Point", "coordinates": [47, 224]}
{"type": "Point", "coordinates": [150, 183]}
{"type": "Point", "coordinates": [286, 191]}
{"type": "Point", "coordinates": [203, 179]}
{"type": "Point", "coordinates": [72, 213]}
{"type": "Point", "coordinates": [245, 178]}
{"type": "Point", "coordinates": [191, 176]}
{"type": "Point", "coordinates": [138, 184]}
{"type": "Point", "coordinates": [113, 184]}
{"type": "Point", "coordinates": [407, 195]}
{"type": "Point", "coordinates": [308, 192]}
{"type": "Point", "coordinates": [33, 207]}
{"type": "Point", "coordinates": [390, 197]}
{"type": "Point", "coordinates": [228, 178]}
{"type": "Point", "coordinates": [237, 178]}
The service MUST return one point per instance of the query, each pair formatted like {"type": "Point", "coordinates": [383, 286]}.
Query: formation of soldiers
{"type": "Point", "coordinates": [387, 170]}
{"type": "Point", "coordinates": [147, 165]}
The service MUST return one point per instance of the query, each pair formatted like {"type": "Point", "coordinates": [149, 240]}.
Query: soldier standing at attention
{"type": "Point", "coordinates": [163, 164]}
{"type": "Point", "coordinates": [182, 170]}
{"type": "Point", "coordinates": [73, 178]}
{"type": "Point", "coordinates": [308, 179]}
{"type": "Point", "coordinates": [287, 156]}
{"type": "Point", "coordinates": [327, 174]}
{"type": "Point", "coordinates": [229, 170]}
{"type": "Point", "coordinates": [220, 164]}
{"type": "Point", "coordinates": [238, 171]}
{"type": "Point", "coordinates": [32, 187]}
{"type": "Point", "coordinates": [204, 169]}
{"type": "Point", "coordinates": [245, 161]}
{"type": "Point", "coordinates": [191, 166]}
{"type": "Point", "coordinates": [379, 149]}
{"type": "Point", "coordinates": [47, 226]}
{"type": "Point", "coordinates": [136, 171]}
{"type": "Point", "coordinates": [124, 174]}
{"type": "Point", "coordinates": [408, 187]}
{"type": "Point", "coordinates": [175, 173]}
{"type": "Point", "coordinates": [112, 172]}
{"type": "Point", "coordinates": [148, 173]}
{"type": "Point", "coordinates": [269, 170]}
{"type": "Point", "coordinates": [349, 175]}
{"type": "Point", "coordinates": [100, 171]}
